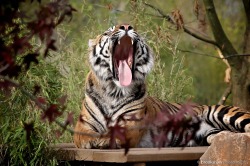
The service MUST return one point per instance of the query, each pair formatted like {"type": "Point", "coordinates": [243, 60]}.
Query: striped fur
{"type": "Point", "coordinates": [106, 98]}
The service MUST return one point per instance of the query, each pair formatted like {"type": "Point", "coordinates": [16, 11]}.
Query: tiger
{"type": "Point", "coordinates": [115, 87]}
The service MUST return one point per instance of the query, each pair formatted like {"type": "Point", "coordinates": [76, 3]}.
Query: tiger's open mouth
{"type": "Point", "coordinates": [123, 58]}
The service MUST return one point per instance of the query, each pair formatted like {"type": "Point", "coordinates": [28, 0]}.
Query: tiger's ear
{"type": "Point", "coordinates": [92, 42]}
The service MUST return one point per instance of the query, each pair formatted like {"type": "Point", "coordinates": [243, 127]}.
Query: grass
{"type": "Point", "coordinates": [170, 81]}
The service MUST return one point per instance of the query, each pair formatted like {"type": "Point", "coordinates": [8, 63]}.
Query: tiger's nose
{"type": "Point", "coordinates": [126, 27]}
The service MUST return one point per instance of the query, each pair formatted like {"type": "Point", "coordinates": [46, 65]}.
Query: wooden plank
{"type": "Point", "coordinates": [63, 145]}
{"type": "Point", "coordinates": [151, 154]}
{"type": "Point", "coordinates": [75, 154]}
{"type": "Point", "coordinates": [67, 151]}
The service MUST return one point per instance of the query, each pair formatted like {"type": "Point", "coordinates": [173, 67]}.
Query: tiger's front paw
{"type": "Point", "coordinates": [99, 143]}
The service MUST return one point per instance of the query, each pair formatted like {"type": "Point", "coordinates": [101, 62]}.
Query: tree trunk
{"type": "Point", "coordinates": [240, 66]}
{"type": "Point", "coordinates": [241, 86]}
{"type": "Point", "coordinates": [246, 43]}
{"type": "Point", "coordinates": [241, 82]}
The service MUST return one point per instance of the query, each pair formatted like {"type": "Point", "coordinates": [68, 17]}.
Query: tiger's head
{"type": "Point", "coordinates": [120, 55]}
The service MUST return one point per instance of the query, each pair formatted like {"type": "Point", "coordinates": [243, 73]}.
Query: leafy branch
{"type": "Point", "coordinates": [17, 53]}
{"type": "Point", "coordinates": [200, 37]}
{"type": "Point", "coordinates": [213, 56]}
{"type": "Point", "coordinates": [239, 63]}
{"type": "Point", "coordinates": [170, 19]}
{"type": "Point", "coordinates": [221, 46]}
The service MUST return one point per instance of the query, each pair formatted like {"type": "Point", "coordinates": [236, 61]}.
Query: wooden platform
{"type": "Point", "coordinates": [68, 152]}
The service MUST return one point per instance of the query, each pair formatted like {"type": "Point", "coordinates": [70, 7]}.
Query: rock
{"type": "Point", "coordinates": [228, 149]}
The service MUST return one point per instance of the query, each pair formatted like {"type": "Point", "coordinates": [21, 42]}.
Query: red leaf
{"type": "Point", "coordinates": [41, 100]}
{"type": "Point", "coordinates": [12, 71]}
{"type": "Point", "coordinates": [62, 100]}
{"type": "Point", "coordinates": [5, 84]}
{"type": "Point", "coordinates": [29, 128]}
{"type": "Point", "coordinates": [68, 10]}
{"type": "Point", "coordinates": [70, 119]}
{"type": "Point", "coordinates": [178, 124]}
{"type": "Point", "coordinates": [58, 133]}
{"type": "Point", "coordinates": [160, 139]}
{"type": "Point", "coordinates": [28, 59]}
{"type": "Point", "coordinates": [21, 44]}
{"type": "Point", "coordinates": [126, 146]}
{"type": "Point", "coordinates": [117, 132]}
{"type": "Point", "coordinates": [50, 45]}
{"type": "Point", "coordinates": [51, 113]}
{"type": "Point", "coordinates": [6, 56]}
{"type": "Point", "coordinates": [37, 90]}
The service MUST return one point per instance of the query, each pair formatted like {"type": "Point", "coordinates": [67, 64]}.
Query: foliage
{"type": "Point", "coordinates": [170, 83]}
{"type": "Point", "coordinates": [16, 150]}
{"type": "Point", "coordinates": [22, 139]}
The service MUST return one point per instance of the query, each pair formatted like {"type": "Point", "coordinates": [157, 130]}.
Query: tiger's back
{"type": "Point", "coordinates": [115, 87]}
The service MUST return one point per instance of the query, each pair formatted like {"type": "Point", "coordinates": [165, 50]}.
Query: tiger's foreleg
{"type": "Point", "coordinates": [87, 134]}
{"type": "Point", "coordinates": [87, 138]}
{"type": "Point", "coordinates": [205, 135]}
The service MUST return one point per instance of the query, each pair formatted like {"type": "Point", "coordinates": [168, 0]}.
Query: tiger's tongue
{"type": "Point", "coordinates": [124, 73]}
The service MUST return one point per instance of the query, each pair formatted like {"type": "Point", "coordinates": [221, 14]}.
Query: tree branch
{"type": "Point", "coordinates": [4, 68]}
{"type": "Point", "coordinates": [167, 17]}
{"type": "Point", "coordinates": [213, 56]}
{"type": "Point", "coordinates": [226, 46]}
{"type": "Point", "coordinates": [199, 53]}
{"type": "Point", "coordinates": [186, 30]}
{"type": "Point", "coordinates": [221, 41]}
{"type": "Point", "coordinates": [225, 95]}
{"type": "Point", "coordinates": [235, 56]}
{"type": "Point", "coordinates": [246, 43]}
{"type": "Point", "coordinates": [200, 37]}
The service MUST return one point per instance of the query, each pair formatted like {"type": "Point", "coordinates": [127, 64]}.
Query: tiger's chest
{"type": "Point", "coordinates": [108, 107]}
{"type": "Point", "coordinates": [105, 101]}
{"type": "Point", "coordinates": [102, 112]}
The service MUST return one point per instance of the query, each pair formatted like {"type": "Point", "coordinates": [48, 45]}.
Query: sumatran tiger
{"type": "Point", "coordinates": [115, 86]}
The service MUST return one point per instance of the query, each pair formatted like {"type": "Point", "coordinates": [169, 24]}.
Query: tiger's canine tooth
{"type": "Point", "coordinates": [132, 41]}
{"type": "Point", "coordinates": [119, 42]}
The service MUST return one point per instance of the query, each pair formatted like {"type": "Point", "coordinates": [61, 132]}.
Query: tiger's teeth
{"type": "Point", "coordinates": [129, 64]}
{"type": "Point", "coordinates": [119, 42]}
{"type": "Point", "coordinates": [132, 41]}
